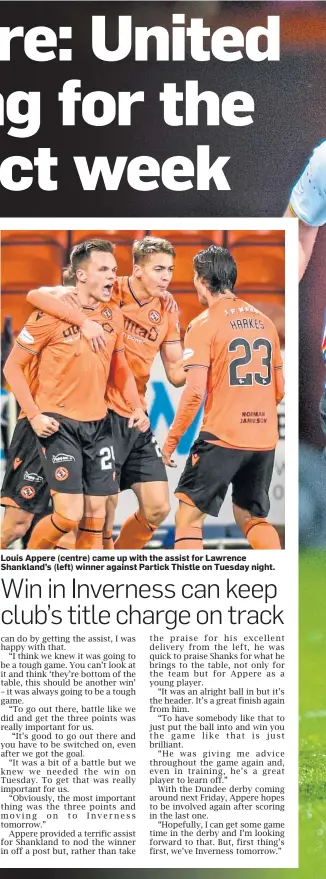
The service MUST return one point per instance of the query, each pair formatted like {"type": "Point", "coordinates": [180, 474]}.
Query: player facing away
{"type": "Point", "coordinates": [68, 413]}
{"type": "Point", "coordinates": [149, 328]}
{"type": "Point", "coordinates": [232, 355]}
{"type": "Point", "coordinates": [308, 203]}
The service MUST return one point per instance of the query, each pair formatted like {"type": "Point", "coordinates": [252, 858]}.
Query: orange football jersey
{"type": "Point", "coordinates": [71, 378]}
{"type": "Point", "coordinates": [147, 326]}
{"type": "Point", "coordinates": [239, 346]}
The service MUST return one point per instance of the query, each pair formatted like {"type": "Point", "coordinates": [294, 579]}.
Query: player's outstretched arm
{"type": "Point", "coordinates": [14, 369]}
{"type": "Point", "coordinates": [122, 378]}
{"type": "Point", "coordinates": [172, 359]}
{"type": "Point", "coordinates": [60, 302]}
{"type": "Point", "coordinates": [190, 403]}
{"type": "Point", "coordinates": [307, 238]}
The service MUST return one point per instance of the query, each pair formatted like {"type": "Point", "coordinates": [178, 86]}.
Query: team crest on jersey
{"type": "Point", "coordinates": [61, 474]}
{"type": "Point", "coordinates": [27, 492]}
{"type": "Point", "coordinates": [107, 313]}
{"type": "Point", "coordinates": [155, 317]}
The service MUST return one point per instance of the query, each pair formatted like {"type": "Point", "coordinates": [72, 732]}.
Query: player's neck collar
{"type": "Point", "coordinates": [140, 302]}
{"type": "Point", "coordinates": [222, 299]}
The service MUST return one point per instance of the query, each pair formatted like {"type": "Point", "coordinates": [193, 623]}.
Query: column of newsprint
{"type": "Point", "coordinates": [149, 710]}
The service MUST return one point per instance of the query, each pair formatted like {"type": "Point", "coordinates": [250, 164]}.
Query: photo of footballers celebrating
{"type": "Point", "coordinates": [149, 328]}
{"type": "Point", "coordinates": [68, 410]}
{"type": "Point", "coordinates": [79, 370]}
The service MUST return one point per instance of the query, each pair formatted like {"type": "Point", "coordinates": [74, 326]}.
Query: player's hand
{"type": "Point", "coordinates": [170, 304]}
{"type": "Point", "coordinates": [94, 333]}
{"type": "Point", "coordinates": [166, 457]}
{"type": "Point", "coordinates": [44, 425]}
{"type": "Point", "coordinates": [140, 420]}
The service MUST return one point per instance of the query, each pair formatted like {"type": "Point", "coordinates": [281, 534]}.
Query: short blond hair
{"type": "Point", "coordinates": [144, 247]}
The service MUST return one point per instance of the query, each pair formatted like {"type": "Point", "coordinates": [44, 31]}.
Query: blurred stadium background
{"type": "Point", "coordinates": [34, 258]}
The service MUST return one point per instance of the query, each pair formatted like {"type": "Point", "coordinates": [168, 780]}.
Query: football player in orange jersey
{"type": "Point", "coordinates": [25, 492]}
{"type": "Point", "coordinates": [68, 413]}
{"type": "Point", "coordinates": [148, 328]}
{"type": "Point", "coordinates": [232, 354]}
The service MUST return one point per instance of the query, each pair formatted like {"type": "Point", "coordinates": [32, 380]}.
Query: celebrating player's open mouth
{"type": "Point", "coordinates": [107, 291]}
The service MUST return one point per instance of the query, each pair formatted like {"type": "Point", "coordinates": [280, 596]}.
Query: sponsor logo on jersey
{"type": "Point", "coordinates": [25, 336]}
{"type": "Point", "coordinates": [17, 463]}
{"type": "Point", "coordinates": [194, 459]}
{"type": "Point", "coordinates": [27, 491]}
{"type": "Point", "coordinates": [60, 459]}
{"type": "Point", "coordinates": [107, 313]}
{"type": "Point", "coordinates": [154, 316]}
{"type": "Point", "coordinates": [188, 352]}
{"type": "Point", "coordinates": [136, 329]}
{"type": "Point", "coordinates": [241, 309]}
{"type": "Point", "coordinates": [32, 477]}
{"type": "Point", "coordinates": [61, 474]}
{"type": "Point", "coordinates": [71, 334]}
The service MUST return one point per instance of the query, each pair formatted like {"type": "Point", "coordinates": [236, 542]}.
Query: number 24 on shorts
{"type": "Point", "coordinates": [107, 457]}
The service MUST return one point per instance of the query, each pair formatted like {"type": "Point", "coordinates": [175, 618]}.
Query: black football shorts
{"type": "Point", "coordinates": [25, 484]}
{"type": "Point", "coordinates": [210, 469]}
{"type": "Point", "coordinates": [80, 458]}
{"type": "Point", "coordinates": [138, 455]}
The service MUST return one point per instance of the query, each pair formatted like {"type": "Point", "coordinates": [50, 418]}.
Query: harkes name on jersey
{"type": "Point", "coordinates": [247, 323]}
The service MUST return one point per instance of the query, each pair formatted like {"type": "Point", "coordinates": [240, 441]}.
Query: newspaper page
{"type": "Point", "coordinates": [148, 656]}
{"type": "Point", "coordinates": [149, 695]}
